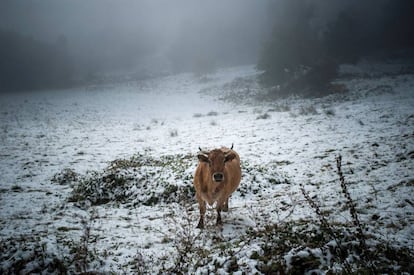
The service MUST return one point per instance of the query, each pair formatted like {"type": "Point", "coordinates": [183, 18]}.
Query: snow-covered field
{"type": "Point", "coordinates": [99, 178]}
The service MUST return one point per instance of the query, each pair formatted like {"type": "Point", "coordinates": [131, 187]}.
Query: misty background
{"type": "Point", "coordinates": [56, 44]}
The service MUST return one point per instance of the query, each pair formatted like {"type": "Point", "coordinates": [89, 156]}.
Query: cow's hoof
{"type": "Point", "coordinates": [200, 225]}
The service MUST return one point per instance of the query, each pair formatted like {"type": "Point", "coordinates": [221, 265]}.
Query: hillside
{"type": "Point", "coordinates": [99, 179]}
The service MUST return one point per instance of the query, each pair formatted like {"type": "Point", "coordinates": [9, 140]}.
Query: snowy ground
{"type": "Point", "coordinates": [55, 142]}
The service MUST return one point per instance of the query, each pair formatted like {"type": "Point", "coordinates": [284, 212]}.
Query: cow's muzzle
{"type": "Point", "coordinates": [218, 177]}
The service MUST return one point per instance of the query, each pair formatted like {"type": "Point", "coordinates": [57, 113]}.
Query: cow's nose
{"type": "Point", "coordinates": [218, 177]}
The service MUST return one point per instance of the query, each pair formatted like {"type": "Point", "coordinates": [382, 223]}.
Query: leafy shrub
{"type": "Point", "coordinates": [263, 116]}
{"type": "Point", "coordinates": [307, 110]}
{"type": "Point", "coordinates": [173, 133]}
{"type": "Point", "coordinates": [66, 176]}
{"type": "Point", "coordinates": [280, 108]}
{"type": "Point", "coordinates": [212, 113]}
{"type": "Point", "coordinates": [139, 180]}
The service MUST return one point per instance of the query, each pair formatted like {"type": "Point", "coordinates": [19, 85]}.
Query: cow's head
{"type": "Point", "coordinates": [216, 160]}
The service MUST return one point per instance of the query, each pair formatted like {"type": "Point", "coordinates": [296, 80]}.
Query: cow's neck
{"type": "Point", "coordinates": [217, 187]}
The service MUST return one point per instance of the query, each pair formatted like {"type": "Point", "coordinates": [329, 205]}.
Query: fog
{"type": "Point", "coordinates": [86, 38]}
{"type": "Point", "coordinates": [169, 35]}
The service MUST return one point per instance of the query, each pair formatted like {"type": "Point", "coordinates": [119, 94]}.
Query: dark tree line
{"type": "Point", "coordinates": [27, 63]}
{"type": "Point", "coordinates": [303, 59]}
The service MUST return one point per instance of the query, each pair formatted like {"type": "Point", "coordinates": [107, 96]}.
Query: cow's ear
{"type": "Point", "coordinates": [202, 157]}
{"type": "Point", "coordinates": [230, 157]}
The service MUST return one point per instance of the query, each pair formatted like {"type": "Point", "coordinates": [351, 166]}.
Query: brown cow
{"type": "Point", "coordinates": [217, 176]}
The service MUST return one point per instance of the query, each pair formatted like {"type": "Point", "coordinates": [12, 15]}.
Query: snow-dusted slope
{"type": "Point", "coordinates": [53, 142]}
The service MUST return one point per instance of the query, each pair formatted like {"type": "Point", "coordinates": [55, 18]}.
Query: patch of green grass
{"type": "Point", "coordinates": [212, 113]}
{"type": "Point", "coordinates": [28, 254]}
{"type": "Point", "coordinates": [263, 116]}
{"type": "Point", "coordinates": [67, 229]}
{"type": "Point", "coordinates": [329, 112]}
{"type": "Point", "coordinates": [16, 188]}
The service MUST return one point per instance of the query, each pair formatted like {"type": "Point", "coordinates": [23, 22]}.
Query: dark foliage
{"type": "Point", "coordinates": [300, 58]}
{"type": "Point", "coordinates": [28, 64]}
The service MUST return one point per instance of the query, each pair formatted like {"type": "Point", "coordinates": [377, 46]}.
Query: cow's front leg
{"type": "Point", "coordinates": [226, 205]}
{"type": "Point", "coordinates": [202, 206]}
{"type": "Point", "coordinates": [221, 206]}
{"type": "Point", "coordinates": [219, 221]}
